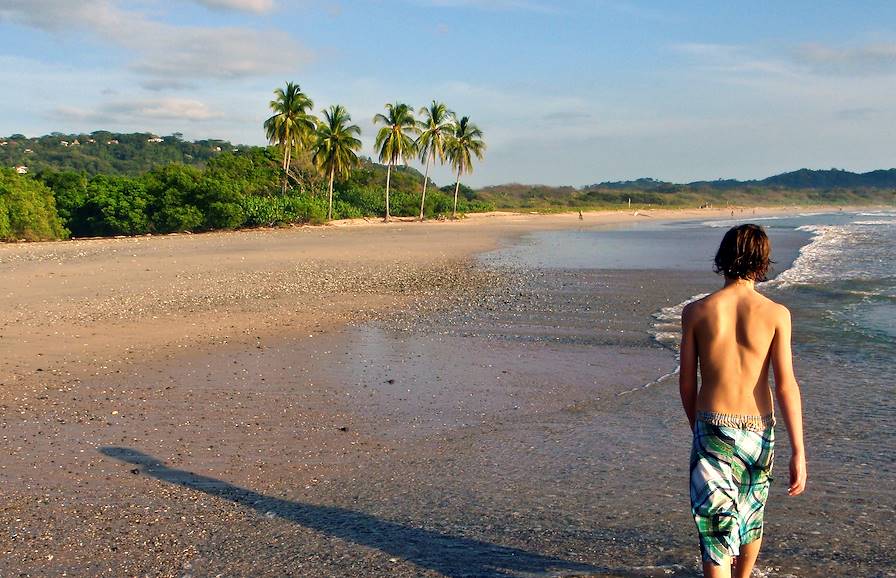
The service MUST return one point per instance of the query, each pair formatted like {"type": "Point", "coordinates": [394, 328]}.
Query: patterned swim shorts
{"type": "Point", "coordinates": [731, 466]}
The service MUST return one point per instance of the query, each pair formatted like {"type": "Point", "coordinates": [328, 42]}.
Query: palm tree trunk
{"type": "Point", "coordinates": [286, 150]}
{"type": "Point", "coordinates": [388, 181]}
{"type": "Point", "coordinates": [456, 189]}
{"type": "Point", "coordinates": [425, 181]}
{"type": "Point", "coordinates": [330, 211]}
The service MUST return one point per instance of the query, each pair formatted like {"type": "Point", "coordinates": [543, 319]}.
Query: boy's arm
{"type": "Point", "coordinates": [687, 375]}
{"type": "Point", "coordinates": [788, 394]}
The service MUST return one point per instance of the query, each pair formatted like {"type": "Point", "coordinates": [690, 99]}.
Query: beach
{"type": "Point", "coordinates": [362, 399]}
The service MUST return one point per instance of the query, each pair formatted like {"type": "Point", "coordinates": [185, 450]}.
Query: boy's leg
{"type": "Point", "coordinates": [711, 570]}
{"type": "Point", "coordinates": [747, 559]}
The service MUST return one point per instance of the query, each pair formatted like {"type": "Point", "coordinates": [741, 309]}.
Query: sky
{"type": "Point", "coordinates": [567, 92]}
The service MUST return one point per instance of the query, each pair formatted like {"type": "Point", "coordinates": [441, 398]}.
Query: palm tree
{"type": "Point", "coordinates": [394, 142]}
{"type": "Point", "coordinates": [291, 123]}
{"type": "Point", "coordinates": [435, 129]}
{"type": "Point", "coordinates": [464, 144]}
{"type": "Point", "coordinates": [335, 145]}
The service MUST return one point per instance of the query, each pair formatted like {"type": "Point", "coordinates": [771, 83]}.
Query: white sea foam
{"type": "Point", "coordinates": [877, 222]}
{"type": "Point", "coordinates": [814, 255]}
{"type": "Point", "coordinates": [841, 252]}
{"type": "Point", "coordinates": [667, 328]}
{"type": "Point", "coordinates": [740, 221]}
{"type": "Point", "coordinates": [878, 214]}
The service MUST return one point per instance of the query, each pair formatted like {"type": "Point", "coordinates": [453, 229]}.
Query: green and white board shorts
{"type": "Point", "coordinates": [731, 465]}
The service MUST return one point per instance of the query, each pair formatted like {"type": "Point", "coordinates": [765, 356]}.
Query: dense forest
{"type": "Point", "coordinates": [105, 183]}
{"type": "Point", "coordinates": [227, 191]}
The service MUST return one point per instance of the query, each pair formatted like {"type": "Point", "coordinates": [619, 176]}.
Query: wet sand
{"type": "Point", "coordinates": [349, 401]}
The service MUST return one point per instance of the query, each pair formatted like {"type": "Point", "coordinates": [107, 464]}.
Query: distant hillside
{"type": "Point", "coordinates": [106, 152]}
{"type": "Point", "coordinates": [801, 179]}
{"type": "Point", "coordinates": [803, 186]}
{"type": "Point", "coordinates": [132, 154]}
{"type": "Point", "coordinates": [833, 179]}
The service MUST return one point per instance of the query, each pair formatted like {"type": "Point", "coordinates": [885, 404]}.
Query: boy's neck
{"type": "Point", "coordinates": [746, 283]}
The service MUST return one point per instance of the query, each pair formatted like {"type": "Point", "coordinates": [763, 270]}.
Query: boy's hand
{"type": "Point", "coordinates": [797, 475]}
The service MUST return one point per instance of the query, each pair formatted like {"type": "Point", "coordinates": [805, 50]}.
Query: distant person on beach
{"type": "Point", "coordinates": [733, 336]}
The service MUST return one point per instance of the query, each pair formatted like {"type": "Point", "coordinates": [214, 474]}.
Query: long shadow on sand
{"type": "Point", "coordinates": [452, 556]}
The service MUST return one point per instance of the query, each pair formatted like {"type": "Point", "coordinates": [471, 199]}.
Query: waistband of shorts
{"type": "Point", "coordinates": [748, 422]}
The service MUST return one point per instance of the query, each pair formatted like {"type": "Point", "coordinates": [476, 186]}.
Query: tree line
{"type": "Point", "coordinates": [437, 136]}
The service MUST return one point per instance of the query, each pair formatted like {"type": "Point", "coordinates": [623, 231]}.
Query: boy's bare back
{"type": "Point", "coordinates": [734, 333]}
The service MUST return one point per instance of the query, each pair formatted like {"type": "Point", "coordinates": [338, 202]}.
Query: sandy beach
{"type": "Point", "coordinates": [326, 401]}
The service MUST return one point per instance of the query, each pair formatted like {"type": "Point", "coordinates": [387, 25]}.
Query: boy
{"type": "Point", "coordinates": [733, 335]}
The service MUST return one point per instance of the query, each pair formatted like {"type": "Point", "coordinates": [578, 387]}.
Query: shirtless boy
{"type": "Point", "coordinates": [733, 336]}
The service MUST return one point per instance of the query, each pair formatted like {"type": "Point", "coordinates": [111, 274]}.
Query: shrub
{"type": "Point", "coordinates": [112, 206]}
{"type": "Point", "coordinates": [270, 210]}
{"type": "Point", "coordinates": [27, 209]}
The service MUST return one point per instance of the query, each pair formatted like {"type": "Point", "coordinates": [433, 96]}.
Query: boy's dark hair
{"type": "Point", "coordinates": [744, 253]}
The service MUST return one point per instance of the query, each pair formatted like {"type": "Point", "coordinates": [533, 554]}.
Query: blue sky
{"type": "Point", "coordinates": [570, 92]}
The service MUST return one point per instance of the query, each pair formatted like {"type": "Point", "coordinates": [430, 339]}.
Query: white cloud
{"type": "Point", "coordinates": [168, 56]}
{"type": "Point", "coordinates": [521, 5]}
{"type": "Point", "coordinates": [878, 58]}
{"type": "Point", "coordinates": [257, 6]}
{"type": "Point", "coordinates": [45, 14]}
{"type": "Point", "coordinates": [138, 111]}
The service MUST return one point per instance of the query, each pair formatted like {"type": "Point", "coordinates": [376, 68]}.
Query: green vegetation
{"type": "Point", "coordinates": [27, 209]}
{"type": "Point", "coordinates": [232, 190]}
{"type": "Point", "coordinates": [103, 152]}
{"type": "Point", "coordinates": [435, 130]}
{"type": "Point", "coordinates": [394, 141]}
{"type": "Point", "coordinates": [291, 125]}
{"type": "Point", "coordinates": [649, 193]}
{"type": "Point", "coordinates": [465, 143]}
{"type": "Point", "coordinates": [334, 148]}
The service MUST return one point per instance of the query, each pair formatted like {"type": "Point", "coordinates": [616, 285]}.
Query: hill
{"type": "Point", "coordinates": [104, 152]}
{"type": "Point", "coordinates": [133, 154]}
{"type": "Point", "coordinates": [802, 186]}
{"type": "Point", "coordinates": [800, 179]}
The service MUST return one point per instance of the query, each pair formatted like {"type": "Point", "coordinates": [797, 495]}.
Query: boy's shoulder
{"type": "Point", "coordinates": [691, 308]}
{"type": "Point", "coordinates": [773, 305]}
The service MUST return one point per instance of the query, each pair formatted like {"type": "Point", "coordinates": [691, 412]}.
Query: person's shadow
{"type": "Point", "coordinates": [452, 556]}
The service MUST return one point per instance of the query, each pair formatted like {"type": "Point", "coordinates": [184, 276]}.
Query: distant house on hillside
{"type": "Point", "coordinates": [29, 151]}
{"type": "Point", "coordinates": [216, 149]}
{"type": "Point", "coordinates": [91, 140]}
{"type": "Point", "coordinates": [64, 143]}
{"type": "Point", "coordinates": [154, 139]}
{"type": "Point", "coordinates": [113, 141]}
{"type": "Point", "coordinates": [3, 143]}
{"type": "Point", "coordinates": [22, 170]}
{"type": "Point", "coordinates": [75, 142]}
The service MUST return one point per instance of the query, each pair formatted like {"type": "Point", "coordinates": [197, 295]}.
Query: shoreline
{"type": "Point", "coordinates": [550, 219]}
{"type": "Point", "coordinates": [140, 294]}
